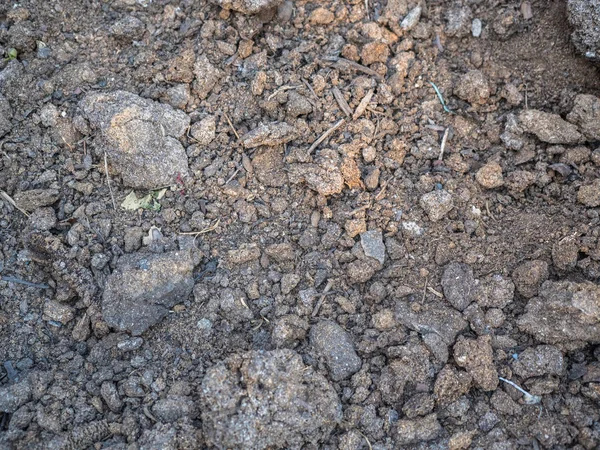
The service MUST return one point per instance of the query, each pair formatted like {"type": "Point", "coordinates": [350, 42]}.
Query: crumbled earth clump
{"type": "Point", "coordinates": [292, 224]}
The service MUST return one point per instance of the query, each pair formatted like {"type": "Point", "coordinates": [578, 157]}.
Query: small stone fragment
{"type": "Point", "coordinates": [372, 244]}
{"type": "Point", "coordinates": [495, 291]}
{"type": "Point", "coordinates": [289, 330]}
{"type": "Point", "coordinates": [539, 361]}
{"type": "Point", "coordinates": [374, 52]}
{"type": "Point", "coordinates": [418, 430]}
{"type": "Point", "coordinates": [248, 7]}
{"type": "Point", "coordinates": [476, 27]}
{"type": "Point", "coordinates": [584, 17]}
{"type": "Point", "coordinates": [565, 253]}
{"type": "Point", "coordinates": [477, 357]}
{"type": "Point", "coordinates": [412, 19]}
{"type": "Point", "coordinates": [450, 384]}
{"type": "Point", "coordinates": [549, 128]}
{"type": "Point", "coordinates": [271, 134]}
{"type": "Point", "coordinates": [529, 276]}
{"type": "Point", "coordinates": [36, 198]}
{"type": "Point", "coordinates": [589, 195]}
{"type": "Point", "coordinates": [459, 285]}
{"type": "Point", "coordinates": [586, 115]}
{"type": "Point", "coordinates": [245, 253]}
{"type": "Point", "coordinates": [298, 105]}
{"type": "Point", "coordinates": [437, 204]}
{"type": "Point", "coordinates": [288, 282]}
{"type": "Point", "coordinates": [321, 16]}
{"type": "Point", "coordinates": [490, 176]}
{"type": "Point", "coordinates": [206, 76]}
{"type": "Point", "coordinates": [174, 407]}
{"type": "Point", "coordinates": [42, 219]}
{"type": "Point", "coordinates": [13, 396]}
{"type": "Point", "coordinates": [334, 344]}
{"type": "Point", "coordinates": [59, 312]}
{"type": "Point", "coordinates": [204, 130]}
{"type": "Point", "coordinates": [473, 87]}
{"type": "Point", "coordinates": [139, 293]}
{"type": "Point", "coordinates": [458, 20]}
{"type": "Point", "coordinates": [110, 395]}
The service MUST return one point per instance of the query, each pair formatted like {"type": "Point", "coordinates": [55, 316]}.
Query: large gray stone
{"type": "Point", "coordinates": [139, 293]}
{"type": "Point", "coordinates": [140, 137]}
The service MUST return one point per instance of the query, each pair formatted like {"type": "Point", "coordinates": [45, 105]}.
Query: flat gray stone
{"type": "Point", "coordinates": [335, 345]}
{"type": "Point", "coordinates": [139, 293]}
{"type": "Point", "coordinates": [372, 244]}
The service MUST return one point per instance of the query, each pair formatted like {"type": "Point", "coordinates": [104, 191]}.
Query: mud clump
{"type": "Point", "coordinates": [240, 397]}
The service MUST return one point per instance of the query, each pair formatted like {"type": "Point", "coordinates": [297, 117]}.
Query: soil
{"type": "Point", "coordinates": [357, 226]}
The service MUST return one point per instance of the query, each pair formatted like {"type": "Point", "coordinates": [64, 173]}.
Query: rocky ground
{"type": "Point", "coordinates": [261, 224]}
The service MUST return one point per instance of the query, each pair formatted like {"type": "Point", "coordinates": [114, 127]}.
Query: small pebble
{"type": "Point", "coordinates": [476, 27]}
{"type": "Point", "coordinates": [412, 19]}
{"type": "Point", "coordinates": [130, 344]}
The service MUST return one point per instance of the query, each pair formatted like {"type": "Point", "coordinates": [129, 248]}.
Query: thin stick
{"type": "Point", "coordinates": [441, 98]}
{"type": "Point", "coordinates": [287, 87]}
{"type": "Point", "coordinates": [362, 106]}
{"type": "Point", "coordinates": [322, 299]}
{"type": "Point", "coordinates": [443, 146]}
{"type": "Point", "coordinates": [112, 197]}
{"type": "Point", "coordinates": [9, 199]}
{"type": "Point", "coordinates": [341, 101]}
{"type": "Point", "coordinates": [232, 176]}
{"type": "Point", "coordinates": [12, 279]}
{"type": "Point", "coordinates": [312, 91]}
{"type": "Point", "coordinates": [326, 135]}
{"type": "Point", "coordinates": [231, 126]}
{"type": "Point", "coordinates": [348, 64]}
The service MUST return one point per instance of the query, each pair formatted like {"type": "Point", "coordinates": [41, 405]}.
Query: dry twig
{"type": "Point", "coordinates": [231, 126]}
{"type": "Point", "coordinates": [339, 98]}
{"type": "Point", "coordinates": [443, 146]}
{"type": "Point", "coordinates": [9, 199]}
{"type": "Point", "coordinates": [362, 106]}
{"type": "Point", "coordinates": [112, 197]}
{"type": "Point", "coordinates": [325, 135]}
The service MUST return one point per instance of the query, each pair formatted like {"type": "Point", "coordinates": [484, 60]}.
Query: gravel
{"type": "Point", "coordinates": [372, 244]}
{"type": "Point", "coordinates": [459, 285]}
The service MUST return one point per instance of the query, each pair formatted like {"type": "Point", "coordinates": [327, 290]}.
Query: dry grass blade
{"type": "Point", "coordinates": [443, 146]}
{"type": "Point", "coordinates": [341, 101]}
{"type": "Point", "coordinates": [9, 199]}
{"type": "Point", "coordinates": [362, 106]}
{"type": "Point", "coordinates": [325, 135]}
{"type": "Point", "coordinates": [231, 126]}
{"type": "Point", "coordinates": [343, 63]}
{"type": "Point", "coordinates": [287, 87]}
{"type": "Point", "coordinates": [205, 230]}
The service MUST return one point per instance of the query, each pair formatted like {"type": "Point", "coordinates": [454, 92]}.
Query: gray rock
{"type": "Point", "coordinates": [412, 19]}
{"type": "Point", "coordinates": [372, 244]}
{"type": "Point", "coordinates": [248, 6]}
{"type": "Point", "coordinates": [459, 285]}
{"type": "Point", "coordinates": [437, 204]}
{"type": "Point", "coordinates": [564, 312]}
{"type": "Point", "coordinates": [140, 137]}
{"type": "Point", "coordinates": [35, 198]}
{"type": "Point", "coordinates": [335, 345]}
{"type": "Point", "coordinates": [288, 282]}
{"type": "Point", "coordinates": [271, 134]}
{"type": "Point", "coordinates": [13, 396]}
{"type": "Point", "coordinates": [433, 318]}
{"type": "Point", "coordinates": [130, 345]}
{"type": "Point", "coordinates": [298, 105]}
{"type": "Point", "coordinates": [6, 115]}
{"type": "Point", "coordinates": [586, 113]}
{"type": "Point", "coordinates": [207, 76]}
{"type": "Point", "coordinates": [110, 395]}
{"type": "Point", "coordinates": [139, 293]}
{"type": "Point", "coordinates": [42, 219]}
{"type": "Point", "coordinates": [240, 397]}
{"type": "Point", "coordinates": [584, 16]}
{"type": "Point", "coordinates": [204, 131]}
{"type": "Point", "coordinates": [539, 361]}
{"type": "Point", "coordinates": [129, 27]}
{"type": "Point", "coordinates": [174, 407]}
{"type": "Point", "coordinates": [549, 127]}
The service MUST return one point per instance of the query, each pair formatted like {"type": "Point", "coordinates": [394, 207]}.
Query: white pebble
{"type": "Point", "coordinates": [412, 19]}
{"type": "Point", "coordinates": [476, 27]}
